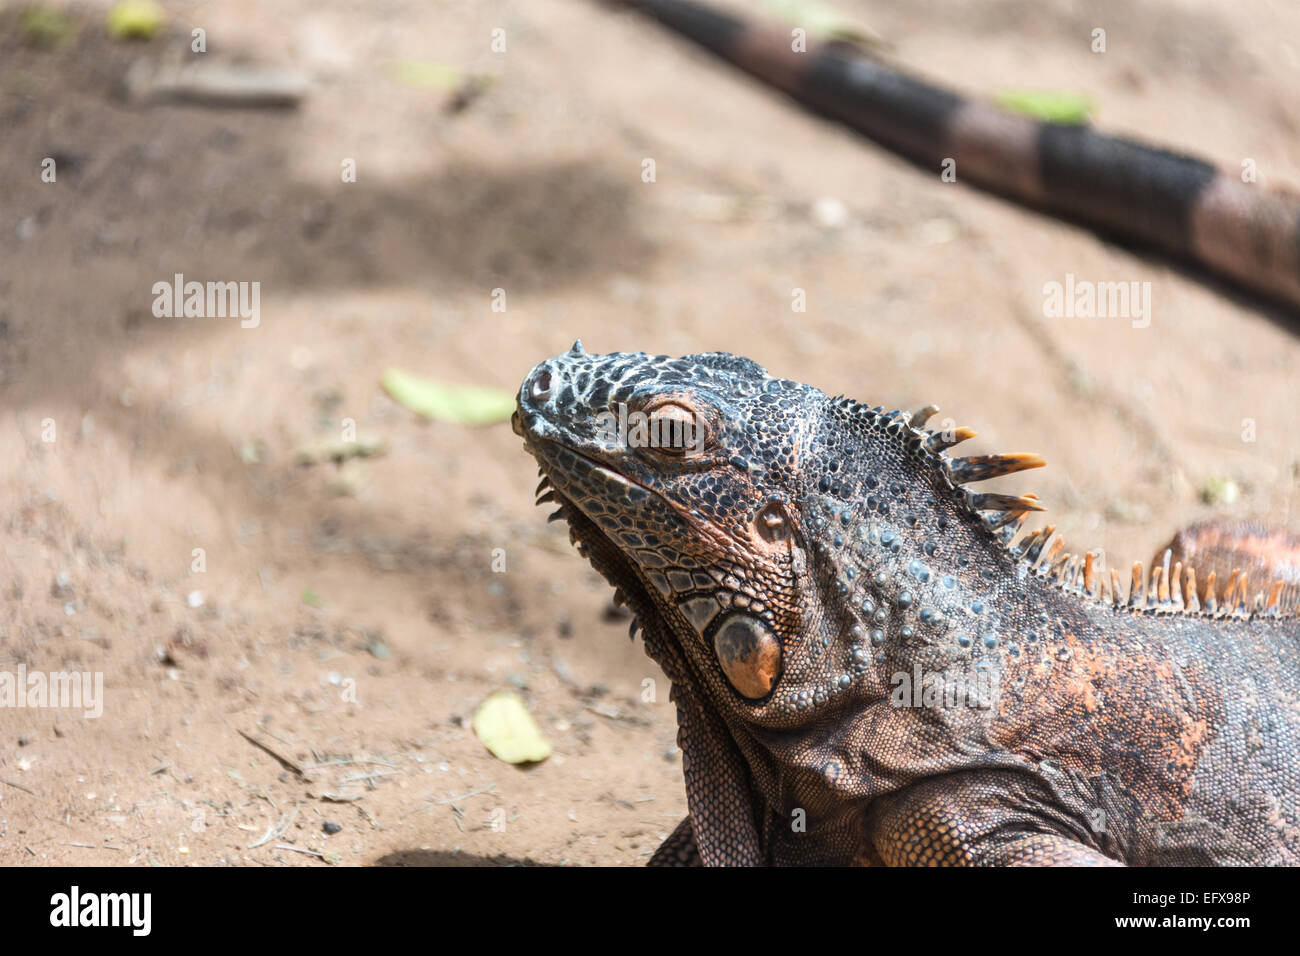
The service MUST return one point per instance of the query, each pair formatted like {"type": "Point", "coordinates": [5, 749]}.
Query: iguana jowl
{"type": "Point", "coordinates": [872, 665]}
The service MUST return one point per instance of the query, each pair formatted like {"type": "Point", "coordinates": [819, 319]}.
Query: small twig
{"type": "Point", "coordinates": [333, 796]}
{"type": "Point", "coordinates": [340, 763]}
{"type": "Point", "coordinates": [277, 828]}
{"type": "Point", "coordinates": [283, 761]}
{"type": "Point", "coordinates": [93, 846]}
{"type": "Point", "coordinates": [299, 849]}
{"type": "Point", "coordinates": [609, 713]}
{"type": "Point", "coordinates": [274, 736]}
{"type": "Point", "coordinates": [616, 801]}
{"type": "Point", "coordinates": [365, 813]}
{"type": "Point", "coordinates": [19, 786]}
{"type": "Point", "coordinates": [368, 777]}
{"type": "Point", "coordinates": [461, 796]}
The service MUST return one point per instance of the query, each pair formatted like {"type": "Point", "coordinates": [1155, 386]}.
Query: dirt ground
{"type": "Point", "coordinates": [350, 618]}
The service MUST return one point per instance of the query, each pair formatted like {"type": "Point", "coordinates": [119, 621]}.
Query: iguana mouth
{"type": "Point", "coordinates": [590, 539]}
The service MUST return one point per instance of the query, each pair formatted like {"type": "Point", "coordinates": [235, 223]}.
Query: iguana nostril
{"type": "Point", "coordinates": [540, 390]}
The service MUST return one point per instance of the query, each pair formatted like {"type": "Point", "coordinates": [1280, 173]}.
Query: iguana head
{"type": "Point", "coordinates": [679, 479]}
{"type": "Point", "coordinates": [718, 500]}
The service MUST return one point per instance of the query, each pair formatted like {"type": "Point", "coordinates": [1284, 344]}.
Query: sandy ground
{"type": "Point", "coordinates": [350, 619]}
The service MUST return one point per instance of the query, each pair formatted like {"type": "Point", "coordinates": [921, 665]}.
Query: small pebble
{"type": "Point", "coordinates": [829, 213]}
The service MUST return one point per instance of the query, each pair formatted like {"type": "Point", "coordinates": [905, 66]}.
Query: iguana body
{"type": "Point", "coordinates": [871, 666]}
{"type": "Point", "coordinates": [1179, 204]}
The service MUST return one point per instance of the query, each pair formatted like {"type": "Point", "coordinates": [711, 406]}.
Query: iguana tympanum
{"type": "Point", "coordinates": [873, 664]}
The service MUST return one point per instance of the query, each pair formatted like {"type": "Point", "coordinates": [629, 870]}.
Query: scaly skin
{"type": "Point", "coordinates": [869, 667]}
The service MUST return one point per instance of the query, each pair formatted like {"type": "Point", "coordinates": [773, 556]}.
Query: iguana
{"type": "Point", "coordinates": [1180, 205]}
{"type": "Point", "coordinates": [873, 664]}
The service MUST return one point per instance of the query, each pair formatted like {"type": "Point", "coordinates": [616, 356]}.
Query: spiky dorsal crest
{"type": "Point", "coordinates": [1165, 591]}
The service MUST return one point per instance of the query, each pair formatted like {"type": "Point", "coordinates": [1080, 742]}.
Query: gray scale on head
{"type": "Point", "coordinates": [892, 597]}
{"type": "Point", "coordinates": [700, 611]}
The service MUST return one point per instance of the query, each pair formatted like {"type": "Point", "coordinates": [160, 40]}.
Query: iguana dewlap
{"type": "Point", "coordinates": [871, 664]}
{"type": "Point", "coordinates": [1178, 204]}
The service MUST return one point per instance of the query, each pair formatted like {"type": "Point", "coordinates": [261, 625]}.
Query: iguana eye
{"type": "Point", "coordinates": [675, 429]}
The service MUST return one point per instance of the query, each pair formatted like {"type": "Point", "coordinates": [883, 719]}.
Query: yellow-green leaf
{"type": "Point", "coordinates": [43, 27]}
{"type": "Point", "coordinates": [508, 730]}
{"type": "Point", "coordinates": [462, 404]}
{"type": "Point", "coordinates": [1220, 491]}
{"type": "Point", "coordinates": [1070, 109]}
{"type": "Point", "coordinates": [135, 19]}
{"type": "Point", "coordinates": [434, 76]}
{"type": "Point", "coordinates": [821, 21]}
